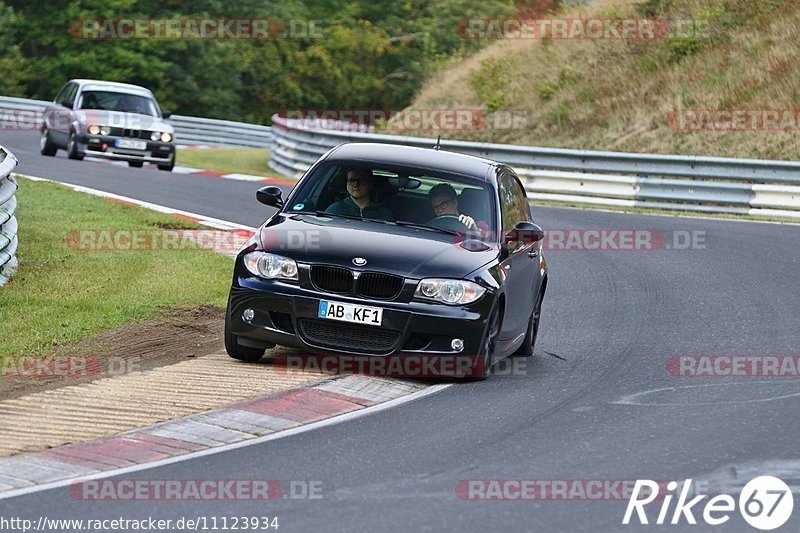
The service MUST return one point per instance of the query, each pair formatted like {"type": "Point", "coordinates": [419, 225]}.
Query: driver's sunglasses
{"type": "Point", "coordinates": [441, 205]}
{"type": "Point", "coordinates": [356, 181]}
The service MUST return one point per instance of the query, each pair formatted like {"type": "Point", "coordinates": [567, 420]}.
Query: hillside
{"type": "Point", "coordinates": [621, 95]}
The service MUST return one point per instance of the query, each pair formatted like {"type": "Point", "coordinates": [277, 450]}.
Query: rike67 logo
{"type": "Point", "coordinates": [765, 503]}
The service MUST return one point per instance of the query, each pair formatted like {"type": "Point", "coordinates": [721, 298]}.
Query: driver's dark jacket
{"type": "Point", "coordinates": [348, 207]}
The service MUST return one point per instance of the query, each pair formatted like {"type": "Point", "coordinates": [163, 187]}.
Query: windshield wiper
{"type": "Point", "coordinates": [352, 217]}
{"type": "Point", "coordinates": [423, 226]}
{"type": "Point", "coordinates": [337, 215]}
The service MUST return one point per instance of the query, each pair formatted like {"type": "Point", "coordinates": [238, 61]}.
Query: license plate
{"type": "Point", "coordinates": [359, 314]}
{"type": "Point", "coordinates": [133, 145]}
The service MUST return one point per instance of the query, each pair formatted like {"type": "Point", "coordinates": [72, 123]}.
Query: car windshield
{"type": "Point", "coordinates": [122, 102]}
{"type": "Point", "coordinates": [406, 196]}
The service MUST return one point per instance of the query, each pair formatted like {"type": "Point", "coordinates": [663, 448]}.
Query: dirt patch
{"type": "Point", "coordinates": [174, 336]}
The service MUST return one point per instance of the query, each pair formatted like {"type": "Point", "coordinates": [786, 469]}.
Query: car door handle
{"type": "Point", "coordinates": [533, 253]}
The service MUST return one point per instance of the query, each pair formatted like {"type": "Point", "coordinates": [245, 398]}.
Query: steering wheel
{"type": "Point", "coordinates": [448, 222]}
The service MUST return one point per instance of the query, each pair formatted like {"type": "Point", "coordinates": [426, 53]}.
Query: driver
{"type": "Point", "coordinates": [444, 201]}
{"type": "Point", "coordinates": [360, 183]}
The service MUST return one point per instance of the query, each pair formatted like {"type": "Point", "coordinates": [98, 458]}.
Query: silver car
{"type": "Point", "coordinates": [108, 120]}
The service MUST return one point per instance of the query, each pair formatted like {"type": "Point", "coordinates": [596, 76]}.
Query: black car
{"type": "Point", "coordinates": [438, 259]}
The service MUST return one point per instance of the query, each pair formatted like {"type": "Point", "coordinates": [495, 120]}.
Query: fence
{"type": "Point", "coordinates": [8, 222]}
{"type": "Point", "coordinates": [684, 183]}
{"type": "Point", "coordinates": [27, 114]}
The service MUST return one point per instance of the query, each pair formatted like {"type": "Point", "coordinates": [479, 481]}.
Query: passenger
{"type": "Point", "coordinates": [360, 185]}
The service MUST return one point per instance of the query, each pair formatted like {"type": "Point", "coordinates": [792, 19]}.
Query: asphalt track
{"type": "Point", "coordinates": [597, 401]}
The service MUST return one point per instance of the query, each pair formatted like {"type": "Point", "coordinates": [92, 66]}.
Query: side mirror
{"type": "Point", "coordinates": [68, 103]}
{"type": "Point", "coordinates": [271, 196]}
{"type": "Point", "coordinates": [166, 113]}
{"type": "Point", "coordinates": [525, 233]}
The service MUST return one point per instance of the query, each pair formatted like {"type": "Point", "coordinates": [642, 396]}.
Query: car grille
{"type": "Point", "coordinates": [130, 133]}
{"type": "Point", "coordinates": [332, 279]}
{"type": "Point", "coordinates": [365, 339]}
{"type": "Point", "coordinates": [381, 286]}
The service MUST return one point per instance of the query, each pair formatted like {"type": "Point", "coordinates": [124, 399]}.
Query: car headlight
{"type": "Point", "coordinates": [105, 130]}
{"type": "Point", "coordinates": [94, 129]}
{"type": "Point", "coordinates": [155, 135]}
{"type": "Point", "coordinates": [270, 266]}
{"type": "Point", "coordinates": [166, 137]}
{"type": "Point", "coordinates": [449, 291]}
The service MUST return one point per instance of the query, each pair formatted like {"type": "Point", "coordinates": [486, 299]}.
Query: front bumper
{"type": "Point", "coordinates": [103, 146]}
{"type": "Point", "coordinates": [286, 314]}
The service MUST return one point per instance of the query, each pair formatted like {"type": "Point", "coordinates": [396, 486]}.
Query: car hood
{"type": "Point", "coordinates": [404, 251]}
{"type": "Point", "coordinates": [118, 119]}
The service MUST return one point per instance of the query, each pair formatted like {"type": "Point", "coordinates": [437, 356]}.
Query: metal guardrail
{"type": "Point", "coordinates": [27, 114]}
{"type": "Point", "coordinates": [684, 183]}
{"type": "Point", "coordinates": [8, 222]}
{"type": "Point", "coordinates": [213, 132]}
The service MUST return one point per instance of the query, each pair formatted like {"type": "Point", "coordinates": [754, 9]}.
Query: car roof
{"type": "Point", "coordinates": [112, 85]}
{"type": "Point", "coordinates": [397, 154]}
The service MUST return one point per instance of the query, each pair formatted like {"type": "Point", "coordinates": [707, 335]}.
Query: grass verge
{"type": "Point", "coordinates": [229, 160]}
{"type": "Point", "coordinates": [62, 294]}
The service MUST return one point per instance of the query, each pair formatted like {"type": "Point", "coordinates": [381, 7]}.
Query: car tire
{"type": "Point", "coordinates": [135, 164]}
{"type": "Point", "coordinates": [482, 368]}
{"type": "Point", "coordinates": [242, 353]}
{"type": "Point", "coordinates": [72, 148]}
{"type": "Point", "coordinates": [168, 166]}
{"type": "Point", "coordinates": [46, 146]}
{"type": "Point", "coordinates": [529, 343]}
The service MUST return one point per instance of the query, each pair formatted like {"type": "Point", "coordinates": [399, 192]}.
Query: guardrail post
{"type": "Point", "coordinates": [8, 222]}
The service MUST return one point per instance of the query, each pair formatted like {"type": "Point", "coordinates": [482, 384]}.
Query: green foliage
{"type": "Point", "coordinates": [588, 94]}
{"type": "Point", "coordinates": [548, 89]}
{"type": "Point", "coordinates": [13, 66]}
{"type": "Point", "coordinates": [490, 82]}
{"type": "Point", "coordinates": [363, 54]}
{"type": "Point", "coordinates": [682, 47]}
{"type": "Point", "coordinates": [558, 115]}
{"type": "Point", "coordinates": [649, 8]}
